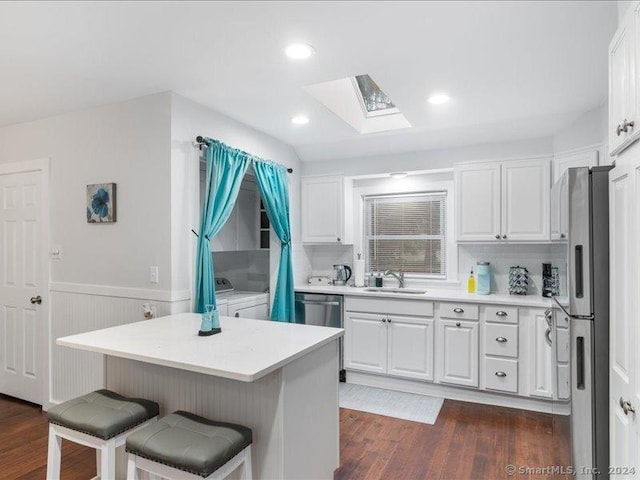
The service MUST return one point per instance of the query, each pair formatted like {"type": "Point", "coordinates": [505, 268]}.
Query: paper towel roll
{"type": "Point", "coordinates": [358, 272]}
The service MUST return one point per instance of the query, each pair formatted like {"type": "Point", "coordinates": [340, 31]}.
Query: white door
{"type": "Point", "coordinates": [526, 192]}
{"type": "Point", "coordinates": [410, 347]}
{"type": "Point", "coordinates": [459, 352]}
{"type": "Point", "coordinates": [21, 323]}
{"type": "Point", "coordinates": [322, 209]}
{"type": "Point", "coordinates": [365, 342]}
{"type": "Point", "coordinates": [621, 88]}
{"type": "Point", "coordinates": [541, 359]}
{"type": "Point", "coordinates": [624, 207]}
{"type": "Point", "coordinates": [478, 193]}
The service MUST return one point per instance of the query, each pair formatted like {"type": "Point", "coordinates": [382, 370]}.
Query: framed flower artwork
{"type": "Point", "coordinates": [101, 203]}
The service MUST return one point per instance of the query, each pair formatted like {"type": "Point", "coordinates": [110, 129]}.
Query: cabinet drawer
{"type": "Point", "coordinates": [500, 314]}
{"type": "Point", "coordinates": [501, 340]}
{"type": "Point", "coordinates": [501, 374]}
{"type": "Point", "coordinates": [466, 311]}
{"type": "Point", "coordinates": [391, 306]}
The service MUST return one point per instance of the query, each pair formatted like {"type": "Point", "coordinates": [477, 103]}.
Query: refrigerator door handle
{"type": "Point", "coordinates": [580, 363]}
{"type": "Point", "coordinates": [579, 272]}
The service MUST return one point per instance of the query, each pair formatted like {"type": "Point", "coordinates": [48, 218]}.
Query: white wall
{"type": "Point", "coordinates": [588, 129]}
{"type": "Point", "coordinates": [188, 120]}
{"type": "Point", "coordinates": [126, 143]}
{"type": "Point", "coordinates": [430, 159]}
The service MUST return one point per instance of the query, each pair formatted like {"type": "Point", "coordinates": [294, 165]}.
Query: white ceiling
{"type": "Point", "coordinates": [513, 69]}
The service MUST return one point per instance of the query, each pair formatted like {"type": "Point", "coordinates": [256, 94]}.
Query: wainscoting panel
{"type": "Point", "coordinates": [74, 372]}
{"type": "Point", "coordinates": [256, 405]}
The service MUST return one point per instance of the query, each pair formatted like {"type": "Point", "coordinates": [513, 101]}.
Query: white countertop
{"type": "Point", "coordinates": [245, 350]}
{"type": "Point", "coordinates": [436, 295]}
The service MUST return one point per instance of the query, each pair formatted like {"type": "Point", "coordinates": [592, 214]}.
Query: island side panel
{"type": "Point", "coordinates": [256, 405]}
{"type": "Point", "coordinates": [311, 415]}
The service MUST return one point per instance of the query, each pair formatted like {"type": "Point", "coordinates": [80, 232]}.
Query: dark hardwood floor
{"type": "Point", "coordinates": [468, 441]}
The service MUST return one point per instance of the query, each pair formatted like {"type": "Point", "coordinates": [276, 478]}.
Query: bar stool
{"type": "Point", "coordinates": [100, 420]}
{"type": "Point", "coordinates": [184, 446]}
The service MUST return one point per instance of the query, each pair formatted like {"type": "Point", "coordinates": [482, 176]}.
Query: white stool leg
{"type": "Point", "coordinates": [247, 473]}
{"type": "Point", "coordinates": [99, 463]}
{"type": "Point", "coordinates": [53, 455]}
{"type": "Point", "coordinates": [108, 461]}
{"type": "Point", "coordinates": [132, 470]}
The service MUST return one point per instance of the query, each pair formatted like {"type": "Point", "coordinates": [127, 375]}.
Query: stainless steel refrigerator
{"type": "Point", "coordinates": [582, 195]}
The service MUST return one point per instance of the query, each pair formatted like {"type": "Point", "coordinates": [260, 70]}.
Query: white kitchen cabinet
{"type": "Point", "coordinates": [503, 202]}
{"type": "Point", "coordinates": [526, 189]}
{"type": "Point", "coordinates": [240, 232]}
{"type": "Point", "coordinates": [477, 188]}
{"type": "Point", "coordinates": [326, 210]}
{"type": "Point", "coordinates": [623, 82]}
{"type": "Point", "coordinates": [540, 358]}
{"type": "Point", "coordinates": [365, 342]}
{"type": "Point", "coordinates": [458, 362]}
{"type": "Point", "coordinates": [410, 346]}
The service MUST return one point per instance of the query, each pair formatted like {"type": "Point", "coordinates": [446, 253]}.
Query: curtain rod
{"type": "Point", "coordinates": [204, 142]}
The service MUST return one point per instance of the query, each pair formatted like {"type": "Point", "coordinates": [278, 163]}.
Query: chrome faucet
{"type": "Point", "coordinates": [399, 276]}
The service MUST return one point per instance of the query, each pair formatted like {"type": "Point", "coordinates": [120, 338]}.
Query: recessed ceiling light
{"type": "Point", "coordinates": [438, 99]}
{"type": "Point", "coordinates": [300, 120]}
{"type": "Point", "coordinates": [398, 174]}
{"type": "Point", "coordinates": [299, 51]}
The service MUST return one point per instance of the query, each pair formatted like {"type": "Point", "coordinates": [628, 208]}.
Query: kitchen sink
{"type": "Point", "coordinates": [414, 291]}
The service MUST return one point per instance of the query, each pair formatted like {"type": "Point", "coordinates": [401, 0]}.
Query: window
{"type": "Point", "coordinates": [407, 233]}
{"type": "Point", "coordinates": [373, 100]}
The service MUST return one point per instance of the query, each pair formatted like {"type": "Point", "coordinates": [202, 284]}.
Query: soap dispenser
{"type": "Point", "coordinates": [471, 283]}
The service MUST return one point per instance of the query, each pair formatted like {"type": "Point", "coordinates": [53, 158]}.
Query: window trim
{"type": "Point", "coordinates": [443, 237]}
{"type": "Point", "coordinates": [436, 180]}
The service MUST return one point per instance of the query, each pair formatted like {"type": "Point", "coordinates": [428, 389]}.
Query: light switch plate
{"type": "Point", "coordinates": [153, 274]}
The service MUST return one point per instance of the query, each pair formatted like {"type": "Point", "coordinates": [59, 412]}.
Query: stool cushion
{"type": "Point", "coordinates": [103, 413]}
{"type": "Point", "coordinates": [188, 442]}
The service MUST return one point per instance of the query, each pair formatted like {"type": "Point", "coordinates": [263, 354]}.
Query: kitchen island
{"type": "Point", "coordinates": [279, 379]}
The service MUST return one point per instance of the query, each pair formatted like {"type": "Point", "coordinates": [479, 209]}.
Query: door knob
{"type": "Point", "coordinates": [626, 406]}
{"type": "Point", "coordinates": [36, 300]}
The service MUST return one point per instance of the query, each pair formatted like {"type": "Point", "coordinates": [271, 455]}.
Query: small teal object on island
{"type": "Point", "coordinates": [210, 324]}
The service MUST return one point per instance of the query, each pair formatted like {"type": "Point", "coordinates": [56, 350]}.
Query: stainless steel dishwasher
{"type": "Point", "coordinates": [325, 311]}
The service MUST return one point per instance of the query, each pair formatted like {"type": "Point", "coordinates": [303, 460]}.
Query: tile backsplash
{"type": "Point", "coordinates": [501, 257]}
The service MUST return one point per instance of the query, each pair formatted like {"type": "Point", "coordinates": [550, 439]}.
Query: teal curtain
{"type": "Point", "coordinates": [274, 190]}
{"type": "Point", "coordinates": [225, 169]}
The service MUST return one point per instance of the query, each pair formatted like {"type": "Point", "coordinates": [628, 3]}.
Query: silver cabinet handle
{"type": "Point", "coordinates": [501, 340]}
{"type": "Point", "coordinates": [457, 324]}
{"type": "Point", "coordinates": [504, 237]}
{"type": "Point", "coordinates": [563, 235]}
{"type": "Point", "coordinates": [338, 238]}
{"type": "Point", "coordinates": [547, 336]}
{"type": "Point", "coordinates": [309, 302]}
{"type": "Point", "coordinates": [237, 315]}
{"type": "Point", "coordinates": [501, 374]}
{"type": "Point", "coordinates": [501, 313]}
{"type": "Point", "coordinates": [458, 310]}
{"type": "Point", "coordinates": [36, 300]}
{"type": "Point", "coordinates": [388, 320]}
{"type": "Point", "coordinates": [384, 320]}
{"type": "Point", "coordinates": [497, 237]}
{"type": "Point", "coordinates": [626, 406]}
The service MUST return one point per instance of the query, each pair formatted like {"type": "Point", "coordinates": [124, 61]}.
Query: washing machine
{"type": "Point", "coordinates": [239, 303]}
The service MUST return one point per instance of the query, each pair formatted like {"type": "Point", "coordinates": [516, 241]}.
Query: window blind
{"type": "Point", "coordinates": [406, 232]}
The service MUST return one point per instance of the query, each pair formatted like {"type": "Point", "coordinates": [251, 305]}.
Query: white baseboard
{"type": "Point", "coordinates": [458, 393]}
{"type": "Point", "coordinates": [121, 292]}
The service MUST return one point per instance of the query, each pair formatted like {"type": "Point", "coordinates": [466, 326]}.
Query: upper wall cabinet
{"type": "Point", "coordinates": [501, 202]}
{"type": "Point", "coordinates": [624, 79]}
{"type": "Point", "coordinates": [326, 210]}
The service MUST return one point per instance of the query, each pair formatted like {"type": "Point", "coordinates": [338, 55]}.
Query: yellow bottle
{"type": "Point", "coordinates": [471, 283]}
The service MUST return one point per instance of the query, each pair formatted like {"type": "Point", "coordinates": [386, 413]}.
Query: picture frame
{"type": "Point", "coordinates": [101, 203]}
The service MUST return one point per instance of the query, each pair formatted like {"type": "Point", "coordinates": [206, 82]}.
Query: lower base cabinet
{"type": "Point", "coordinates": [458, 340]}
{"type": "Point", "coordinates": [389, 344]}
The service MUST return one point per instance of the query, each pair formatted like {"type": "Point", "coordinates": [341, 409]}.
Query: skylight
{"type": "Point", "coordinates": [361, 103]}
{"type": "Point", "coordinates": [374, 100]}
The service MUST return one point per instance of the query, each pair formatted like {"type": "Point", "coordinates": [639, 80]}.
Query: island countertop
{"type": "Point", "coordinates": [246, 350]}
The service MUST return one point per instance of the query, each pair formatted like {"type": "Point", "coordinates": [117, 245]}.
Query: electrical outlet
{"type": "Point", "coordinates": [153, 274]}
